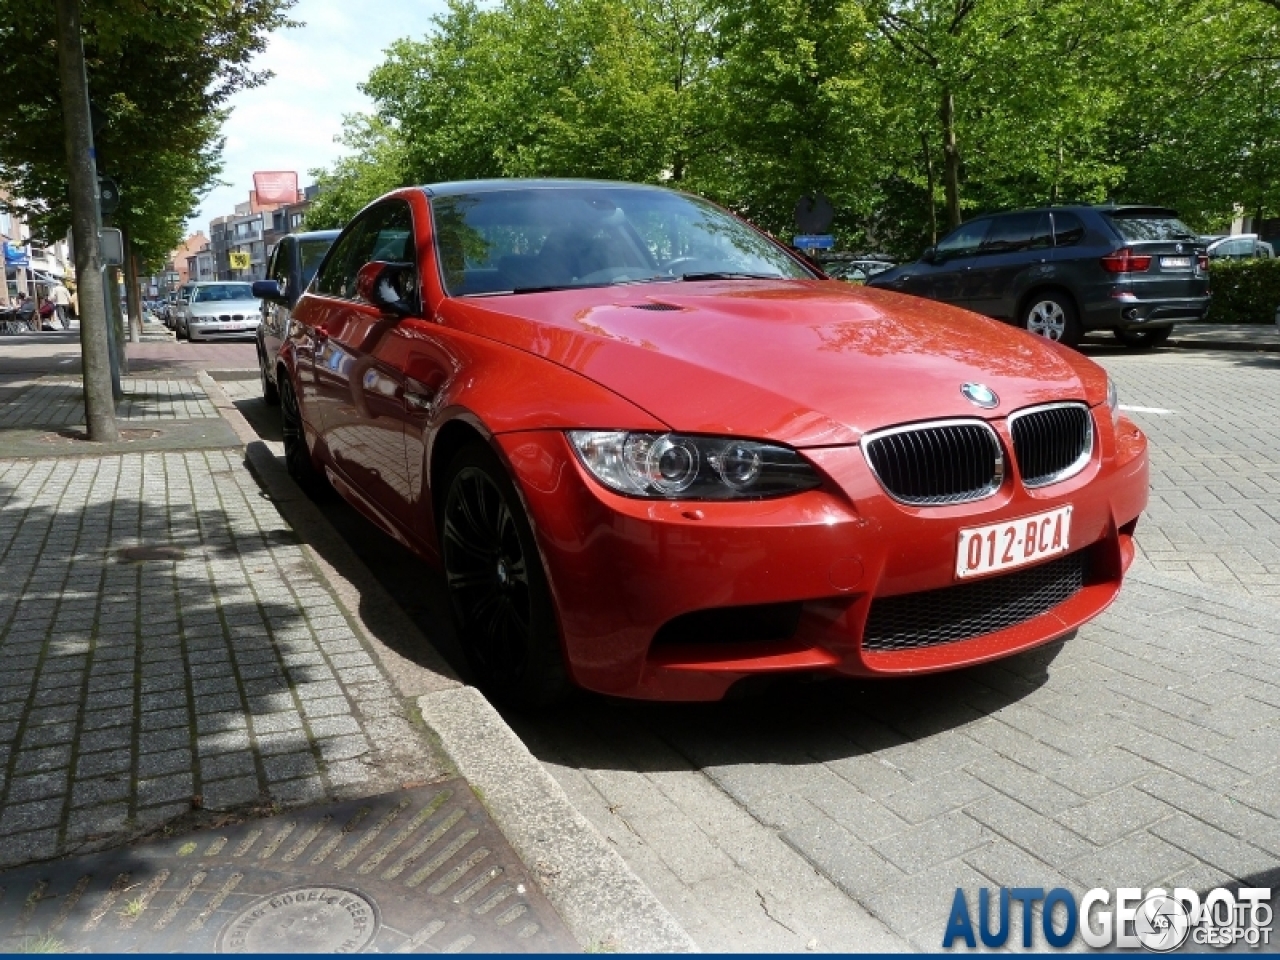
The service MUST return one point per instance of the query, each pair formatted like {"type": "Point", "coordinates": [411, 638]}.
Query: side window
{"type": "Point", "coordinates": [278, 268]}
{"type": "Point", "coordinates": [332, 280]}
{"type": "Point", "coordinates": [1067, 229]}
{"type": "Point", "coordinates": [384, 233]}
{"type": "Point", "coordinates": [1017, 232]}
{"type": "Point", "coordinates": [964, 241]}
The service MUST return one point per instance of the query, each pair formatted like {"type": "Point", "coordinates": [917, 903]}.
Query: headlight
{"type": "Point", "coordinates": [674, 466]}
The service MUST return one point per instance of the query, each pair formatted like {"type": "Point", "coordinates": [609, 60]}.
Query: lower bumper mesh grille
{"type": "Point", "coordinates": [934, 617]}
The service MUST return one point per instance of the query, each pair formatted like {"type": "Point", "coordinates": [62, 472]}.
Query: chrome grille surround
{"type": "Point", "coordinates": [1052, 442]}
{"type": "Point", "coordinates": [937, 462]}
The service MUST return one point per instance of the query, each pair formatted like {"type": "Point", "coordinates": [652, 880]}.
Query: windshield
{"type": "Point", "coordinates": [311, 252]}
{"type": "Point", "coordinates": [529, 239]}
{"type": "Point", "coordinates": [1147, 227]}
{"type": "Point", "coordinates": [222, 291]}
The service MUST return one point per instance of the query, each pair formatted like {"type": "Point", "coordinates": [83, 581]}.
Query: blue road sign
{"type": "Point", "coordinates": [822, 241]}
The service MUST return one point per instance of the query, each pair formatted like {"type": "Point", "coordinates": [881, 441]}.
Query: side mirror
{"type": "Point", "coordinates": [930, 255]}
{"type": "Point", "coordinates": [267, 290]}
{"type": "Point", "coordinates": [388, 286]}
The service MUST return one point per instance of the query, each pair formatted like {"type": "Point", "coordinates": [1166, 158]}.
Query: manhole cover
{"type": "Point", "coordinates": [303, 920]}
{"type": "Point", "coordinates": [144, 553]}
{"type": "Point", "coordinates": [416, 871]}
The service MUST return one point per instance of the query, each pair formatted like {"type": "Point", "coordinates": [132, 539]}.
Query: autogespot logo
{"type": "Point", "coordinates": [1156, 919]}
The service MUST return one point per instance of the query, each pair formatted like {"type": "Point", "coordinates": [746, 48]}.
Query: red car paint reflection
{"type": "Point", "coordinates": [536, 325]}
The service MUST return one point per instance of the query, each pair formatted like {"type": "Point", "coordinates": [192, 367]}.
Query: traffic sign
{"type": "Point", "coordinates": [822, 241]}
{"type": "Point", "coordinates": [108, 196]}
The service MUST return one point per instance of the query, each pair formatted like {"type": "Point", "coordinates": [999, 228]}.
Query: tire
{"type": "Point", "coordinates": [1051, 314]}
{"type": "Point", "coordinates": [297, 456]}
{"type": "Point", "coordinates": [1143, 339]}
{"type": "Point", "coordinates": [180, 330]}
{"type": "Point", "coordinates": [501, 601]}
{"type": "Point", "coordinates": [270, 391]}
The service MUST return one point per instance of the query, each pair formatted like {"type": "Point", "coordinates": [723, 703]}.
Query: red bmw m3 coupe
{"type": "Point", "coordinates": [654, 453]}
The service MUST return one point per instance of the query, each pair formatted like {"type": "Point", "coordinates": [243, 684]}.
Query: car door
{"type": "Point", "coordinates": [275, 315]}
{"type": "Point", "coordinates": [1016, 253]}
{"type": "Point", "coordinates": [953, 259]}
{"type": "Point", "coordinates": [183, 310]}
{"type": "Point", "coordinates": [359, 386]}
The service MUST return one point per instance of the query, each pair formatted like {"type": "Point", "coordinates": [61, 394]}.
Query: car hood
{"type": "Point", "coordinates": [808, 363]}
{"type": "Point", "coordinates": [217, 307]}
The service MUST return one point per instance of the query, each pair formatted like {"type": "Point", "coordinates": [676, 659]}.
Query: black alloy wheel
{"type": "Point", "coordinates": [270, 392]}
{"type": "Point", "coordinates": [297, 456]}
{"type": "Point", "coordinates": [501, 601]}
{"type": "Point", "coordinates": [1143, 339]}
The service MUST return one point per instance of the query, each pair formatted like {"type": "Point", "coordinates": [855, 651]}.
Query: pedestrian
{"type": "Point", "coordinates": [48, 315]}
{"type": "Point", "coordinates": [26, 310]}
{"type": "Point", "coordinates": [61, 298]}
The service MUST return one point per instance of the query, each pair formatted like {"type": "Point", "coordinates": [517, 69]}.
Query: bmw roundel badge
{"type": "Point", "coordinates": [980, 394]}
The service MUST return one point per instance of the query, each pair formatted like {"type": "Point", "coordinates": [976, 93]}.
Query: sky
{"type": "Point", "coordinates": [289, 123]}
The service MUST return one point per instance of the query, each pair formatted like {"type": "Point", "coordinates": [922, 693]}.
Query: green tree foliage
{"type": "Point", "coordinates": [160, 73]}
{"type": "Point", "coordinates": [911, 115]}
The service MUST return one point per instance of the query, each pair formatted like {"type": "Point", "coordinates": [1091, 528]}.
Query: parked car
{"type": "Point", "coordinates": [178, 308]}
{"type": "Point", "coordinates": [655, 453]}
{"type": "Point", "coordinates": [1059, 272]}
{"type": "Point", "coordinates": [218, 310]}
{"type": "Point", "coordinates": [856, 270]}
{"type": "Point", "coordinates": [293, 263]}
{"type": "Point", "coordinates": [1244, 246]}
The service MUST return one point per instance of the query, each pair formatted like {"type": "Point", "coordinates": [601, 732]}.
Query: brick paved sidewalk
{"type": "Point", "coordinates": [59, 401]}
{"type": "Point", "coordinates": [165, 638]}
{"type": "Point", "coordinates": [1214, 515]}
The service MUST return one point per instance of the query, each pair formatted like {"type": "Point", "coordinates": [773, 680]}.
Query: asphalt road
{"type": "Point", "coordinates": [1141, 752]}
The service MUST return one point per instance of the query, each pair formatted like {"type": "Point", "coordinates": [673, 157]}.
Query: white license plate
{"type": "Point", "coordinates": [234, 326]}
{"type": "Point", "coordinates": [1183, 262]}
{"type": "Point", "coordinates": [1013, 543]}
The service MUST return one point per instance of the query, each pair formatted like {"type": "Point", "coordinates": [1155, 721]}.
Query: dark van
{"type": "Point", "coordinates": [1061, 271]}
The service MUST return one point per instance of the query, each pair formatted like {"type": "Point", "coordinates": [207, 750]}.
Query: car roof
{"type": "Point", "coordinates": [456, 187]}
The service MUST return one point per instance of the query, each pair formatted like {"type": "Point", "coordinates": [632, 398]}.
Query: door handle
{"type": "Point", "coordinates": [419, 401]}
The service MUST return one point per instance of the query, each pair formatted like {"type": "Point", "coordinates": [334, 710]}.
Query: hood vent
{"type": "Point", "coordinates": [655, 305]}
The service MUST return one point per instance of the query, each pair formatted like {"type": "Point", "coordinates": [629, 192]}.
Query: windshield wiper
{"type": "Point", "coordinates": [724, 275]}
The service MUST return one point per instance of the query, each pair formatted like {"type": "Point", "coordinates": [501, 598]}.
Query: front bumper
{"type": "Point", "coordinates": [203, 329]}
{"type": "Point", "coordinates": [631, 578]}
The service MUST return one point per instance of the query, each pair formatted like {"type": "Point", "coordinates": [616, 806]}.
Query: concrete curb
{"type": "Point", "coordinates": [603, 902]}
{"type": "Point", "coordinates": [1229, 345]}
{"type": "Point", "coordinates": [605, 905]}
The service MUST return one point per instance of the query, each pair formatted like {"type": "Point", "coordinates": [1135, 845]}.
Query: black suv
{"type": "Point", "coordinates": [1061, 271]}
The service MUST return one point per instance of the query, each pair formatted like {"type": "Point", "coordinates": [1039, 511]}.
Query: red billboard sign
{"type": "Point", "coordinates": [275, 186]}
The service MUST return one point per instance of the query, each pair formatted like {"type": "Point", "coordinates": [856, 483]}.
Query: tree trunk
{"type": "Point", "coordinates": [1057, 178]}
{"type": "Point", "coordinates": [99, 401]}
{"type": "Point", "coordinates": [928, 172]}
{"type": "Point", "coordinates": [951, 159]}
{"type": "Point", "coordinates": [131, 289]}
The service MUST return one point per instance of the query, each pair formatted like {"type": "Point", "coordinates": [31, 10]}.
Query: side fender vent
{"type": "Point", "coordinates": [655, 305]}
